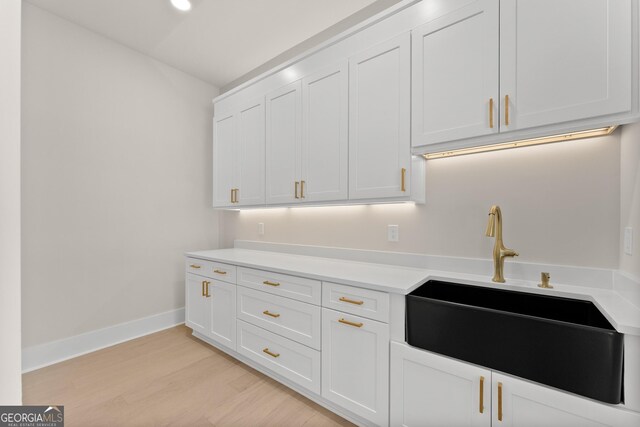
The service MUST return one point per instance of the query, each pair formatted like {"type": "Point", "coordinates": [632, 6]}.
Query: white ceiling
{"type": "Point", "coordinates": [218, 40]}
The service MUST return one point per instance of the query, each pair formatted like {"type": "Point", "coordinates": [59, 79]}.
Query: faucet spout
{"type": "Point", "coordinates": [500, 252]}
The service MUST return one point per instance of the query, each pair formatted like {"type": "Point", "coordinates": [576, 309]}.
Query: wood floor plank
{"type": "Point", "coordinates": [169, 378]}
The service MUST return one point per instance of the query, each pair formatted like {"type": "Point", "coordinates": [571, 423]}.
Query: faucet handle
{"type": "Point", "coordinates": [544, 281]}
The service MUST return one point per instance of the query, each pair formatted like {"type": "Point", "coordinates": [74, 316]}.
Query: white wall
{"type": "Point", "coordinates": [10, 378]}
{"type": "Point", "coordinates": [630, 196]}
{"type": "Point", "coordinates": [560, 204]}
{"type": "Point", "coordinates": [116, 180]}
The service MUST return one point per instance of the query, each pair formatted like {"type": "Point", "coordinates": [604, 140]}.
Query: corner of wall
{"type": "Point", "coordinates": [630, 196]}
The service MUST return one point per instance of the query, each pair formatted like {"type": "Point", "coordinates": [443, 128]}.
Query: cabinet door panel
{"type": "Point", "coordinates": [283, 143]}
{"type": "Point", "coordinates": [455, 74]}
{"type": "Point", "coordinates": [196, 305]}
{"type": "Point", "coordinates": [325, 134]}
{"type": "Point", "coordinates": [379, 103]}
{"type": "Point", "coordinates": [355, 364]}
{"type": "Point", "coordinates": [250, 146]}
{"type": "Point", "coordinates": [222, 313]}
{"type": "Point", "coordinates": [432, 390]}
{"type": "Point", "coordinates": [224, 159]}
{"type": "Point", "coordinates": [526, 404]}
{"type": "Point", "coordinates": [562, 61]}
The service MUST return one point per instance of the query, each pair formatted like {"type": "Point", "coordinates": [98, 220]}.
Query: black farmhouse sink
{"type": "Point", "coordinates": [561, 342]}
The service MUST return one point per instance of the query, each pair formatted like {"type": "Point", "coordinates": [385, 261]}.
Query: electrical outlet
{"type": "Point", "coordinates": [393, 233]}
{"type": "Point", "coordinates": [628, 241]}
{"type": "Point", "coordinates": [261, 229]}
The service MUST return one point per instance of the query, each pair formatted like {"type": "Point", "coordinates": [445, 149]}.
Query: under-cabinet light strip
{"type": "Point", "coordinates": [523, 143]}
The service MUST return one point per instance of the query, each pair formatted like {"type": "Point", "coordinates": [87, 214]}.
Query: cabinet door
{"type": "Point", "coordinates": [222, 313]}
{"type": "Point", "coordinates": [379, 103]}
{"type": "Point", "coordinates": [325, 134]}
{"type": "Point", "coordinates": [564, 60]}
{"type": "Point", "coordinates": [196, 304]}
{"type": "Point", "coordinates": [520, 403]}
{"type": "Point", "coordinates": [224, 159]}
{"type": "Point", "coordinates": [455, 75]}
{"type": "Point", "coordinates": [355, 364]}
{"type": "Point", "coordinates": [250, 154]}
{"type": "Point", "coordinates": [432, 390]}
{"type": "Point", "coordinates": [283, 143]}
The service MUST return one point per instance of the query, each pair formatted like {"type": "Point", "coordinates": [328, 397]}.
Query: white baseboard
{"type": "Point", "coordinates": [46, 354]}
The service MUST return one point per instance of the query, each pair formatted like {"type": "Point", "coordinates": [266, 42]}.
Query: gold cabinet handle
{"type": "Point", "coordinates": [296, 189]}
{"type": "Point", "coordinates": [481, 405]}
{"type": "Point", "coordinates": [206, 289]}
{"type": "Point", "coordinates": [506, 110]}
{"type": "Point", "coordinates": [195, 266]}
{"type": "Point", "coordinates": [268, 313]}
{"type": "Point", "coordinates": [499, 401]}
{"type": "Point", "coordinates": [403, 173]}
{"type": "Point", "coordinates": [356, 324]}
{"type": "Point", "coordinates": [266, 282]}
{"type": "Point", "coordinates": [203, 282]}
{"type": "Point", "coordinates": [266, 350]}
{"type": "Point", "coordinates": [219, 271]}
{"type": "Point", "coordinates": [235, 192]}
{"type": "Point", "coordinates": [232, 200]}
{"type": "Point", "coordinates": [491, 113]}
{"type": "Point", "coordinates": [351, 301]}
{"type": "Point", "coordinates": [302, 189]}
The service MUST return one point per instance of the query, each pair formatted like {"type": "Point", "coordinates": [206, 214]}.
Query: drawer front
{"type": "Point", "coordinates": [212, 269]}
{"type": "Point", "coordinates": [291, 319]}
{"type": "Point", "coordinates": [294, 361]}
{"type": "Point", "coordinates": [298, 288]}
{"type": "Point", "coordinates": [361, 302]}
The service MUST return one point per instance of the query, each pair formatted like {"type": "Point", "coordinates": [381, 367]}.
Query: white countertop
{"type": "Point", "coordinates": [622, 314]}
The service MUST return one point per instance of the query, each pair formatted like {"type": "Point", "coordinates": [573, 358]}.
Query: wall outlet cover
{"type": "Point", "coordinates": [628, 241]}
{"type": "Point", "coordinates": [393, 233]}
{"type": "Point", "coordinates": [261, 228]}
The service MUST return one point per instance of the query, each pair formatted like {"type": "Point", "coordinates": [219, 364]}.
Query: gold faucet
{"type": "Point", "coordinates": [494, 228]}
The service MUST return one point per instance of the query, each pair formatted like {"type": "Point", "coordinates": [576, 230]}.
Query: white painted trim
{"type": "Point", "coordinates": [46, 354]}
{"type": "Point", "coordinates": [599, 278]}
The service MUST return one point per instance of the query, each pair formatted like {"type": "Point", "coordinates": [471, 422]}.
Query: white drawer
{"type": "Point", "coordinates": [212, 269]}
{"type": "Point", "coordinates": [361, 302]}
{"type": "Point", "coordinates": [296, 362]}
{"type": "Point", "coordinates": [291, 319]}
{"type": "Point", "coordinates": [298, 288]}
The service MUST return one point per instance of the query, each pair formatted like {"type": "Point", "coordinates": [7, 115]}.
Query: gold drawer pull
{"type": "Point", "coordinates": [351, 301]}
{"type": "Point", "coordinates": [356, 324]}
{"type": "Point", "coordinates": [219, 271]}
{"type": "Point", "coordinates": [481, 406]}
{"type": "Point", "coordinates": [491, 113]}
{"type": "Point", "coordinates": [266, 282]}
{"type": "Point", "coordinates": [499, 401]}
{"type": "Point", "coordinates": [266, 350]}
{"type": "Point", "coordinates": [268, 313]}
{"type": "Point", "coordinates": [194, 266]}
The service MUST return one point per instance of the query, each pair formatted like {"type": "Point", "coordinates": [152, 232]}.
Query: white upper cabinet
{"type": "Point", "coordinates": [379, 103]}
{"type": "Point", "coordinates": [325, 135]}
{"type": "Point", "coordinates": [284, 129]}
{"type": "Point", "coordinates": [521, 68]}
{"type": "Point", "coordinates": [455, 75]}
{"type": "Point", "coordinates": [564, 60]}
{"type": "Point", "coordinates": [250, 154]}
{"type": "Point", "coordinates": [238, 156]}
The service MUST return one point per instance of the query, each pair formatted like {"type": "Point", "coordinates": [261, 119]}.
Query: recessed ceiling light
{"type": "Point", "coordinates": [183, 5]}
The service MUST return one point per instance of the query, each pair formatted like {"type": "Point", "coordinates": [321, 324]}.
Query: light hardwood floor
{"type": "Point", "coordinates": [169, 378]}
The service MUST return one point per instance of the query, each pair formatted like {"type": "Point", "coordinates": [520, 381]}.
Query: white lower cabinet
{"type": "Point", "coordinates": [432, 390]}
{"type": "Point", "coordinates": [355, 364]}
{"type": "Point", "coordinates": [295, 362]}
{"type": "Point", "coordinates": [196, 303]}
{"type": "Point", "coordinates": [222, 313]}
{"type": "Point", "coordinates": [428, 389]}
